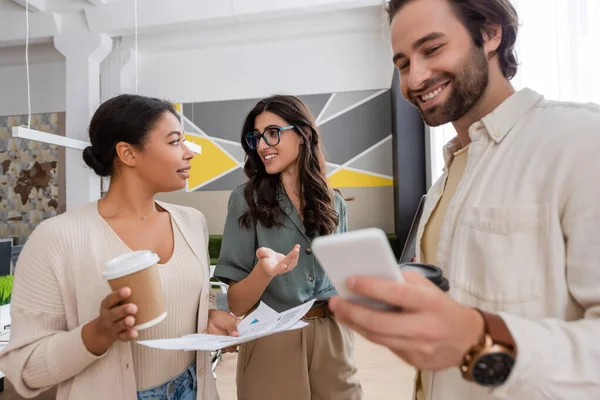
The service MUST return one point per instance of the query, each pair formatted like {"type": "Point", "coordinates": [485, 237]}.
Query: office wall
{"type": "Point", "coordinates": [372, 207]}
{"type": "Point", "coordinates": [32, 176]}
{"type": "Point", "coordinates": [342, 66]}
{"type": "Point", "coordinates": [410, 160]}
{"type": "Point", "coordinates": [356, 134]}
{"type": "Point", "coordinates": [306, 64]}
{"type": "Point", "coordinates": [47, 85]}
{"type": "Point", "coordinates": [355, 127]}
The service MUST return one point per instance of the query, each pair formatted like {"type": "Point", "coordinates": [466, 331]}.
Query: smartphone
{"type": "Point", "coordinates": [365, 252]}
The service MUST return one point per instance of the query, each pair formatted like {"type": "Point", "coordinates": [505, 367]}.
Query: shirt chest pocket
{"type": "Point", "coordinates": [501, 252]}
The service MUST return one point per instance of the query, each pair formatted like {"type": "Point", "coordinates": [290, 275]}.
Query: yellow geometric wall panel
{"type": "Point", "coordinates": [208, 166]}
{"type": "Point", "coordinates": [344, 119]}
{"type": "Point", "coordinates": [345, 178]}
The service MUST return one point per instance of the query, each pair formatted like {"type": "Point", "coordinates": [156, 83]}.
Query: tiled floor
{"type": "Point", "coordinates": [383, 376]}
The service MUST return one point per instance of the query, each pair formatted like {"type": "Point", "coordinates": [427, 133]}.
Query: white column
{"type": "Point", "coordinates": [128, 71]}
{"type": "Point", "coordinates": [118, 71]}
{"type": "Point", "coordinates": [118, 75]}
{"type": "Point", "coordinates": [83, 51]}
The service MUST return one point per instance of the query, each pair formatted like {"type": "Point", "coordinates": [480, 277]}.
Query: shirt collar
{"type": "Point", "coordinates": [449, 149]}
{"type": "Point", "coordinates": [499, 122]}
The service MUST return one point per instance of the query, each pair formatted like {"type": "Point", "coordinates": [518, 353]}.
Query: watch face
{"type": "Point", "coordinates": [493, 369]}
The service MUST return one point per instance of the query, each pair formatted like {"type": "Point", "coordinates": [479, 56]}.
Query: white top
{"type": "Point", "coordinates": [522, 237]}
{"type": "Point", "coordinates": [181, 278]}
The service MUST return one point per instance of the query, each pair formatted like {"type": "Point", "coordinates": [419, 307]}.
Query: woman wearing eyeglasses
{"type": "Point", "coordinates": [266, 256]}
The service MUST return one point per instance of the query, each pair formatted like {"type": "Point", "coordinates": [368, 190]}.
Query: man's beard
{"type": "Point", "coordinates": [467, 87]}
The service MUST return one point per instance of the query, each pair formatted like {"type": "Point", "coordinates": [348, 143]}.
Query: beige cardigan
{"type": "Point", "coordinates": [58, 288]}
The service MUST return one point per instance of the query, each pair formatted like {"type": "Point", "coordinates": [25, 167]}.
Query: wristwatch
{"type": "Point", "coordinates": [490, 362]}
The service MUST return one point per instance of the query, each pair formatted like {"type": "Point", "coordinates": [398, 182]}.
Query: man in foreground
{"type": "Point", "coordinates": [513, 222]}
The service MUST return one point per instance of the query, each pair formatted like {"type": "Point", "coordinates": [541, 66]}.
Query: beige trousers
{"type": "Point", "coordinates": [312, 363]}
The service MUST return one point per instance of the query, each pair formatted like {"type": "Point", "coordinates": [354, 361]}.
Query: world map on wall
{"type": "Point", "coordinates": [29, 181]}
{"type": "Point", "coordinates": [37, 177]}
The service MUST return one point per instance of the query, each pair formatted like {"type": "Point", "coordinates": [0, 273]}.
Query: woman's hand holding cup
{"type": "Point", "coordinates": [115, 322]}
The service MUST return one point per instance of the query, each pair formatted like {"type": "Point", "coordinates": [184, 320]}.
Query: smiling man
{"type": "Point", "coordinates": [513, 221]}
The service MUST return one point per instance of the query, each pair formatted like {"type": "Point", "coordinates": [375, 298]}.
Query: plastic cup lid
{"type": "Point", "coordinates": [427, 270]}
{"type": "Point", "coordinates": [129, 263]}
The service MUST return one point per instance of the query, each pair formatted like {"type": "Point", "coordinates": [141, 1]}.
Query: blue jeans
{"type": "Point", "coordinates": [182, 387]}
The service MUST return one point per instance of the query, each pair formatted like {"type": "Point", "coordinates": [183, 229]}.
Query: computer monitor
{"type": "Point", "coordinates": [5, 256]}
{"type": "Point", "coordinates": [409, 251]}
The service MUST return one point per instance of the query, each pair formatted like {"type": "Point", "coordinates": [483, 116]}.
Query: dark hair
{"type": "Point", "coordinates": [262, 189]}
{"type": "Point", "coordinates": [477, 16]}
{"type": "Point", "coordinates": [126, 118]}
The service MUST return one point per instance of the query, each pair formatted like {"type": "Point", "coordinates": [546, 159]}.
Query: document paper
{"type": "Point", "coordinates": [261, 322]}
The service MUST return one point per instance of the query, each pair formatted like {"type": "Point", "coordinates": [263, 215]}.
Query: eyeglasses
{"type": "Point", "coordinates": [271, 136]}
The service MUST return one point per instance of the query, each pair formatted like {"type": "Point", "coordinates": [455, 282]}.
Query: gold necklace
{"type": "Point", "coordinates": [143, 217]}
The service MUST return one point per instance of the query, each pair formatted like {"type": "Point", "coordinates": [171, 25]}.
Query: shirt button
{"type": "Point", "coordinates": [126, 366]}
{"type": "Point", "coordinates": [311, 278]}
{"type": "Point", "coordinates": [308, 251]}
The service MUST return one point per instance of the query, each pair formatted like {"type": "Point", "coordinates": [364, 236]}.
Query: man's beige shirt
{"type": "Point", "coordinates": [521, 237]}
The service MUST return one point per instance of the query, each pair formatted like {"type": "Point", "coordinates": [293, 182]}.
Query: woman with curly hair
{"type": "Point", "coordinates": [266, 256]}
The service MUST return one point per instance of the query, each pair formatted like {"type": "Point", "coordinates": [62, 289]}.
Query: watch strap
{"type": "Point", "coordinates": [496, 328]}
{"type": "Point", "coordinates": [496, 336]}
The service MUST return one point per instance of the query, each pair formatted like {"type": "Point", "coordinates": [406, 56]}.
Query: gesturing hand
{"type": "Point", "coordinates": [431, 332]}
{"type": "Point", "coordinates": [274, 263]}
{"type": "Point", "coordinates": [115, 322]}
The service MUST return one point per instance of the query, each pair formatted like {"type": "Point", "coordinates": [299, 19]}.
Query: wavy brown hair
{"type": "Point", "coordinates": [477, 16]}
{"type": "Point", "coordinates": [262, 189]}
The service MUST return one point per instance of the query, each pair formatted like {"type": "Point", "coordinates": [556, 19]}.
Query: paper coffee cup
{"type": "Point", "coordinates": [138, 271]}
